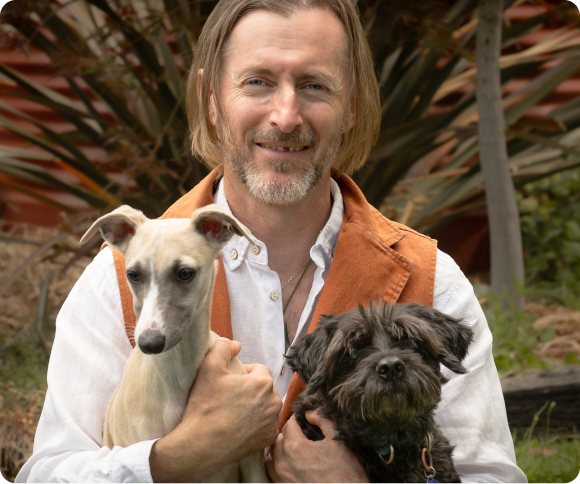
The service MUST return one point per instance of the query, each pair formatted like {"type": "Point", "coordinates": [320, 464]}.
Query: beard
{"type": "Point", "coordinates": [287, 183]}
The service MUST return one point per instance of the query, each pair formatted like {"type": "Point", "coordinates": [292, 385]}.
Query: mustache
{"type": "Point", "coordinates": [276, 135]}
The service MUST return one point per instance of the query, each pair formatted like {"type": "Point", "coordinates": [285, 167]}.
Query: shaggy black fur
{"type": "Point", "coordinates": [376, 373]}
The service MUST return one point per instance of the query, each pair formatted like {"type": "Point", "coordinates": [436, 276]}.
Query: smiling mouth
{"type": "Point", "coordinates": [283, 148]}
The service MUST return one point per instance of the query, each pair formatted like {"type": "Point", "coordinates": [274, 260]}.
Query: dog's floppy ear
{"type": "Point", "coordinates": [455, 337]}
{"type": "Point", "coordinates": [307, 355]}
{"type": "Point", "coordinates": [117, 227]}
{"type": "Point", "coordinates": [218, 226]}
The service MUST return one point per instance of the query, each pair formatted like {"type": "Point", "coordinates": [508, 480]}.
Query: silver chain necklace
{"type": "Point", "coordinates": [297, 272]}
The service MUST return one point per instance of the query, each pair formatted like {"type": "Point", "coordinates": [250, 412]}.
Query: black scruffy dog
{"type": "Point", "coordinates": [375, 373]}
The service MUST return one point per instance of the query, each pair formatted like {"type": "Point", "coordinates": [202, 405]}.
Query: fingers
{"type": "Point", "coordinates": [258, 370]}
{"type": "Point", "coordinates": [222, 352]}
{"type": "Point", "coordinates": [277, 447]}
{"type": "Point", "coordinates": [276, 456]}
{"type": "Point", "coordinates": [292, 430]}
{"type": "Point", "coordinates": [324, 424]}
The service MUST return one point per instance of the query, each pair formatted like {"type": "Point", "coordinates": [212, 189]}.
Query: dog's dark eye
{"type": "Point", "coordinates": [356, 347]}
{"type": "Point", "coordinates": [185, 275]}
{"type": "Point", "coordinates": [133, 276]}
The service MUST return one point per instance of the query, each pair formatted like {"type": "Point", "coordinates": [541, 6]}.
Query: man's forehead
{"type": "Point", "coordinates": [316, 35]}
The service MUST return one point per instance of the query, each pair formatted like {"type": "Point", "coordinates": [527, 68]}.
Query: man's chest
{"type": "Point", "coordinates": [257, 302]}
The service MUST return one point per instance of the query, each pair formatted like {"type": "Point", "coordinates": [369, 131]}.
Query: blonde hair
{"type": "Point", "coordinates": [356, 142]}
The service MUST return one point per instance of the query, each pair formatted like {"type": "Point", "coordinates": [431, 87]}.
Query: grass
{"type": "Point", "coordinates": [548, 458]}
{"type": "Point", "coordinates": [23, 352]}
{"type": "Point", "coordinates": [517, 348]}
{"type": "Point", "coordinates": [551, 460]}
{"type": "Point", "coordinates": [22, 390]}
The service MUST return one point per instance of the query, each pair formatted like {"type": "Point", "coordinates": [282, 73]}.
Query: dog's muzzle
{"type": "Point", "coordinates": [391, 368]}
{"type": "Point", "coordinates": [151, 342]}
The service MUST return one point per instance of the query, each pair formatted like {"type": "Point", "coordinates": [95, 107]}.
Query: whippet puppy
{"type": "Point", "coordinates": [171, 268]}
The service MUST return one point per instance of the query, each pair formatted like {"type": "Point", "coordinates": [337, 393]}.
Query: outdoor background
{"type": "Point", "coordinates": [92, 116]}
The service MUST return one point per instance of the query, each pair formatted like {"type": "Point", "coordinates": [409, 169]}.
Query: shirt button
{"type": "Point", "coordinates": [274, 296]}
{"type": "Point", "coordinates": [255, 250]}
{"type": "Point", "coordinates": [234, 254]}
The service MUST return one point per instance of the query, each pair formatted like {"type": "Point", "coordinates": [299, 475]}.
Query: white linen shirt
{"type": "Point", "coordinates": [90, 350]}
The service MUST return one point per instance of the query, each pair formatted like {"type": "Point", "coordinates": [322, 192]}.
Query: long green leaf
{"type": "Point", "coordinates": [13, 185]}
{"type": "Point", "coordinates": [554, 77]}
{"type": "Point", "coordinates": [21, 169]}
{"type": "Point", "coordinates": [80, 163]}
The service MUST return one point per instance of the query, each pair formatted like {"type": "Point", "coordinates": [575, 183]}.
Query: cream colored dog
{"type": "Point", "coordinates": [171, 268]}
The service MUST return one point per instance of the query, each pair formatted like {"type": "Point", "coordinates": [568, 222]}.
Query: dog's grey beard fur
{"type": "Point", "coordinates": [364, 396]}
{"type": "Point", "coordinates": [296, 186]}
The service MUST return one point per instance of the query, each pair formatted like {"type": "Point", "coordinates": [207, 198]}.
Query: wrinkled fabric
{"type": "Point", "coordinates": [91, 348]}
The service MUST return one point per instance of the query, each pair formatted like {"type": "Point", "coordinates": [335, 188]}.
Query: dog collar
{"type": "Point", "coordinates": [425, 456]}
{"type": "Point", "coordinates": [384, 451]}
{"type": "Point", "coordinates": [429, 469]}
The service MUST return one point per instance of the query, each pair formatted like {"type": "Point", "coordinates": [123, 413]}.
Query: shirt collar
{"type": "Point", "coordinates": [321, 252]}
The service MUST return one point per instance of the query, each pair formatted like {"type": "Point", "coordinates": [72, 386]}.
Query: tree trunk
{"type": "Point", "coordinates": [507, 261]}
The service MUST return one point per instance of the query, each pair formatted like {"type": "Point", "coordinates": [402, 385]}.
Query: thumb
{"type": "Point", "coordinates": [218, 358]}
{"type": "Point", "coordinates": [324, 424]}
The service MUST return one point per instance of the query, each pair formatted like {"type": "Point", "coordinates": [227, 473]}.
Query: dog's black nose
{"type": "Point", "coordinates": [391, 368]}
{"type": "Point", "coordinates": [151, 342]}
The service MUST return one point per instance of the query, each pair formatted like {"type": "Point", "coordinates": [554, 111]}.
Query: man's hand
{"type": "Point", "coordinates": [228, 416]}
{"type": "Point", "coordinates": [297, 459]}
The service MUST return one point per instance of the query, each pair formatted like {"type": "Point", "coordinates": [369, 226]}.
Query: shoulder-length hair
{"type": "Point", "coordinates": [209, 53]}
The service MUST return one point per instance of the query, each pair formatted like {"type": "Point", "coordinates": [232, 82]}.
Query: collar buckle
{"type": "Point", "coordinates": [385, 451]}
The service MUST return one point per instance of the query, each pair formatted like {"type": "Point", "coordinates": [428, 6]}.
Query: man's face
{"type": "Point", "coordinates": [284, 91]}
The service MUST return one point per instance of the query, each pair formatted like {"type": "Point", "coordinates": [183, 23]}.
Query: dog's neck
{"type": "Point", "coordinates": [396, 433]}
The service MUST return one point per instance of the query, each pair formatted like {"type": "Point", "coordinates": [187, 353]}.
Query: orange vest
{"type": "Point", "coordinates": [374, 259]}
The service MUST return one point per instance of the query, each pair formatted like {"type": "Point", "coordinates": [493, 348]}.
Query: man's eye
{"type": "Point", "coordinates": [185, 275]}
{"type": "Point", "coordinates": [315, 87]}
{"type": "Point", "coordinates": [255, 82]}
{"type": "Point", "coordinates": [133, 276]}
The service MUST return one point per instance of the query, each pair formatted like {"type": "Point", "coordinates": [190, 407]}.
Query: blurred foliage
{"type": "Point", "coordinates": [543, 335]}
{"type": "Point", "coordinates": [37, 275]}
{"type": "Point", "coordinates": [547, 458]}
{"type": "Point", "coordinates": [126, 62]}
{"type": "Point", "coordinates": [515, 341]}
{"type": "Point", "coordinates": [129, 87]}
{"type": "Point", "coordinates": [550, 222]}
{"type": "Point", "coordinates": [426, 159]}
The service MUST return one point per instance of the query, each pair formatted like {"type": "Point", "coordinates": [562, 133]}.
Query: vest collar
{"type": "Point", "coordinates": [365, 241]}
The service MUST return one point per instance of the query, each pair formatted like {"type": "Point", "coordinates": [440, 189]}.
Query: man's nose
{"type": "Point", "coordinates": [285, 112]}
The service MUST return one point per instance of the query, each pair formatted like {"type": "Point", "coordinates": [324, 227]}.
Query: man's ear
{"type": "Point", "coordinates": [117, 227]}
{"type": "Point", "coordinates": [350, 118]}
{"type": "Point", "coordinates": [212, 107]}
{"type": "Point", "coordinates": [218, 226]}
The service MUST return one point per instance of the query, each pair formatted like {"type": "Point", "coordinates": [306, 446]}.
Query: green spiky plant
{"type": "Point", "coordinates": [116, 54]}
{"type": "Point", "coordinates": [424, 170]}
{"type": "Point", "coordinates": [132, 56]}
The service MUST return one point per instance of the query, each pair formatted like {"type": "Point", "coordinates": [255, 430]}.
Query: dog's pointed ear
{"type": "Point", "coordinates": [117, 227]}
{"type": "Point", "coordinates": [455, 337]}
{"type": "Point", "coordinates": [306, 357]}
{"type": "Point", "coordinates": [218, 226]}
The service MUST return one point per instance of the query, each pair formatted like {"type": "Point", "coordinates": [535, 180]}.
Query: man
{"type": "Point", "coordinates": [280, 92]}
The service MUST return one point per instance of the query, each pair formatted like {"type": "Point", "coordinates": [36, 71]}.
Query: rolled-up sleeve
{"type": "Point", "coordinates": [472, 411]}
{"type": "Point", "coordinates": [86, 364]}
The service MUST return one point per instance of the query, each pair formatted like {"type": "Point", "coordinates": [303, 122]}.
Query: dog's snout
{"type": "Point", "coordinates": [390, 368]}
{"type": "Point", "coordinates": [151, 342]}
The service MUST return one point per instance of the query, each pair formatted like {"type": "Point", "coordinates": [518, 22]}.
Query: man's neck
{"type": "Point", "coordinates": [289, 231]}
